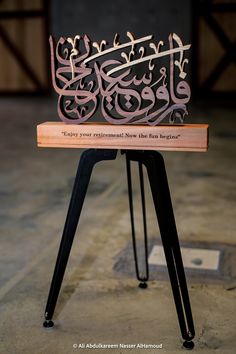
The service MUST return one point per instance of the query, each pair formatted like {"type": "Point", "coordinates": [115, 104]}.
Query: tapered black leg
{"type": "Point", "coordinates": [87, 161]}
{"type": "Point", "coordinates": [143, 278]}
{"type": "Point", "coordinates": [161, 196]}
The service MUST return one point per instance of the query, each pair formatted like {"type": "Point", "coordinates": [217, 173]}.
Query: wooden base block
{"type": "Point", "coordinates": [185, 137]}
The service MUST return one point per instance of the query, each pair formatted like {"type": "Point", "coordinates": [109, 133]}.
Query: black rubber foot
{"type": "Point", "coordinates": [48, 324]}
{"type": "Point", "coordinates": [143, 285]}
{"type": "Point", "coordinates": [188, 345]}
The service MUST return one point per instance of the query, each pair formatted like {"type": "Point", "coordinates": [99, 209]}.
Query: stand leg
{"type": "Point", "coordinates": [87, 161]}
{"type": "Point", "coordinates": [143, 278]}
{"type": "Point", "coordinates": [162, 200]}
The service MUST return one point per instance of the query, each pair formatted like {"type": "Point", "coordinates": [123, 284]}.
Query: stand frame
{"type": "Point", "coordinates": [154, 163]}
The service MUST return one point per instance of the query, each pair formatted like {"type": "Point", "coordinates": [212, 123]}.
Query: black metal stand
{"type": "Point", "coordinates": [142, 278]}
{"type": "Point", "coordinates": [154, 163]}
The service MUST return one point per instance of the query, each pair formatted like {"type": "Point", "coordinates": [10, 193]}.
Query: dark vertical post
{"type": "Point", "coordinates": [143, 278]}
{"type": "Point", "coordinates": [154, 163]}
{"type": "Point", "coordinates": [87, 161]}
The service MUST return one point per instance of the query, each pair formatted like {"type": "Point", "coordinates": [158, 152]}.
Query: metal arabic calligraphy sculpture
{"type": "Point", "coordinates": [134, 87]}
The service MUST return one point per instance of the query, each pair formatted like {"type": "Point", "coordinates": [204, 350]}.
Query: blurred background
{"type": "Point", "coordinates": [25, 27]}
{"type": "Point", "coordinates": [100, 301]}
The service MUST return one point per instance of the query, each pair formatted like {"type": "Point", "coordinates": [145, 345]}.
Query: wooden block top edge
{"type": "Point", "coordinates": [188, 125]}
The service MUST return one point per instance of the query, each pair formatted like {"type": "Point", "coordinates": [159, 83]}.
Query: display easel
{"type": "Point", "coordinates": [53, 135]}
{"type": "Point", "coordinates": [87, 77]}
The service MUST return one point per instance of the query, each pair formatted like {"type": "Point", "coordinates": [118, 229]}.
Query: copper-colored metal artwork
{"type": "Point", "coordinates": [128, 81]}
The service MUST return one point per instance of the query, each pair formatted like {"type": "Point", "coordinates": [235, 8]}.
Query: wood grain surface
{"type": "Point", "coordinates": [185, 137]}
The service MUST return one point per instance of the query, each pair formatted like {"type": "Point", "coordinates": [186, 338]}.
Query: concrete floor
{"type": "Point", "coordinates": [98, 304]}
